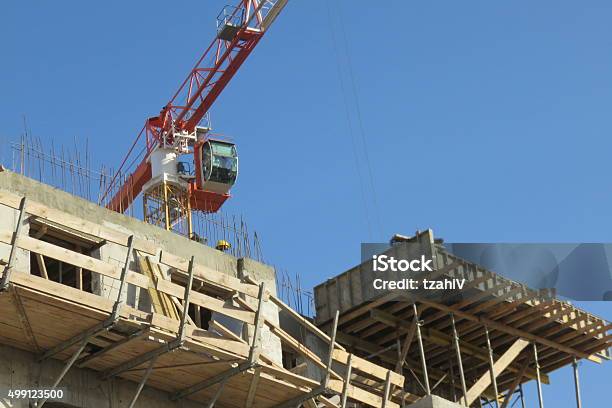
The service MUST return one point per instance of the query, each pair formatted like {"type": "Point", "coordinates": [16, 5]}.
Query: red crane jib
{"type": "Point", "coordinates": [211, 74]}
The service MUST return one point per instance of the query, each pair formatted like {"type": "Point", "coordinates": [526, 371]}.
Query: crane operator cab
{"type": "Point", "coordinates": [219, 165]}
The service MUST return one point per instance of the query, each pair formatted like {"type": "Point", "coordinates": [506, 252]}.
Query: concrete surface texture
{"type": "Point", "coordinates": [83, 387]}
{"type": "Point", "coordinates": [113, 253]}
{"type": "Point", "coordinates": [433, 401]}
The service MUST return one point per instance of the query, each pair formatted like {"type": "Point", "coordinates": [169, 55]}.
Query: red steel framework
{"type": "Point", "coordinates": [240, 29]}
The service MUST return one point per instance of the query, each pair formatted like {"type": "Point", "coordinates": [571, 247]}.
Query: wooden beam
{"type": "Point", "coordinates": [41, 266]}
{"type": "Point", "coordinates": [301, 320]}
{"type": "Point", "coordinates": [76, 223]}
{"type": "Point", "coordinates": [511, 330]}
{"type": "Point", "coordinates": [360, 395]}
{"type": "Point", "coordinates": [39, 258]}
{"type": "Point", "coordinates": [288, 340]}
{"type": "Point", "coordinates": [114, 346]}
{"type": "Point", "coordinates": [500, 365]}
{"type": "Point", "coordinates": [161, 302]}
{"type": "Point", "coordinates": [114, 271]}
{"type": "Point", "coordinates": [365, 366]}
{"type": "Point", "coordinates": [209, 275]}
{"type": "Point", "coordinates": [443, 339]}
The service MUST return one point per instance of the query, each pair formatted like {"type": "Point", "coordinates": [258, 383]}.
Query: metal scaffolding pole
{"type": "Point", "coordinates": [40, 402]}
{"type": "Point", "coordinates": [143, 381]}
{"type": "Point", "coordinates": [330, 356]}
{"type": "Point", "coordinates": [6, 276]}
{"type": "Point", "coordinates": [251, 362]}
{"type": "Point", "coordinates": [105, 325]}
{"type": "Point", "coordinates": [215, 397]}
{"type": "Point", "coordinates": [166, 348]}
{"type": "Point", "coordinates": [522, 396]}
{"type": "Point", "coordinates": [538, 380]}
{"type": "Point", "coordinates": [459, 361]}
{"type": "Point", "coordinates": [491, 365]}
{"type": "Point", "coordinates": [422, 351]}
{"type": "Point", "coordinates": [577, 384]}
{"type": "Point", "coordinates": [452, 375]}
{"type": "Point", "coordinates": [347, 381]}
{"type": "Point", "coordinates": [321, 389]}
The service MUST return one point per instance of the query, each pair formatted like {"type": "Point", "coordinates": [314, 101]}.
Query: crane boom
{"type": "Point", "coordinates": [239, 29]}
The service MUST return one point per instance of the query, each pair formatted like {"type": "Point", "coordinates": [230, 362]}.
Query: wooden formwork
{"type": "Point", "coordinates": [165, 348]}
{"type": "Point", "coordinates": [516, 320]}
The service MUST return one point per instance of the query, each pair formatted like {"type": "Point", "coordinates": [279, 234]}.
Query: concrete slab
{"type": "Point", "coordinates": [433, 401]}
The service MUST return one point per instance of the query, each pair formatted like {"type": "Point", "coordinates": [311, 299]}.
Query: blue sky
{"type": "Point", "coordinates": [485, 121]}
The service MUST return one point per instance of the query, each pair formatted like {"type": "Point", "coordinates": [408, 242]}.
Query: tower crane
{"type": "Point", "coordinates": [172, 188]}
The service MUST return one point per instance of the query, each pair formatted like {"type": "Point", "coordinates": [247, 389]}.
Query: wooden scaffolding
{"type": "Point", "coordinates": [472, 345]}
{"type": "Point", "coordinates": [53, 315]}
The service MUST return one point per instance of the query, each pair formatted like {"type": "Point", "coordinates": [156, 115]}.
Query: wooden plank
{"type": "Point", "coordinates": [161, 302]}
{"type": "Point", "coordinates": [51, 288]}
{"type": "Point", "coordinates": [500, 365]}
{"type": "Point", "coordinates": [213, 324]}
{"type": "Point", "coordinates": [298, 346]}
{"type": "Point", "coordinates": [510, 330]}
{"type": "Point", "coordinates": [288, 376]}
{"type": "Point", "coordinates": [96, 265]}
{"type": "Point", "coordinates": [12, 200]}
{"type": "Point", "coordinates": [361, 395]}
{"type": "Point", "coordinates": [41, 266]}
{"type": "Point", "coordinates": [221, 329]}
{"type": "Point", "coordinates": [206, 301]}
{"type": "Point", "coordinates": [345, 317]}
{"type": "Point", "coordinates": [365, 366]}
{"type": "Point", "coordinates": [302, 321]}
{"type": "Point", "coordinates": [443, 339]}
{"type": "Point", "coordinates": [209, 275]}
{"type": "Point", "coordinates": [76, 259]}
{"type": "Point", "coordinates": [79, 272]}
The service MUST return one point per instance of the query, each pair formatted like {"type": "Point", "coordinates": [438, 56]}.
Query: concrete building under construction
{"type": "Point", "coordinates": [113, 312]}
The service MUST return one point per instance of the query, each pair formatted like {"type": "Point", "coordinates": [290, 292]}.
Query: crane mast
{"type": "Point", "coordinates": [171, 188]}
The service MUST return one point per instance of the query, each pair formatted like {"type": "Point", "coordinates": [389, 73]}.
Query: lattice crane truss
{"type": "Point", "coordinates": [180, 129]}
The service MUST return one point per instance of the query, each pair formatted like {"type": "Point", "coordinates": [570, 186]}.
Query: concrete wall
{"type": "Point", "coordinates": [58, 199]}
{"type": "Point", "coordinates": [83, 388]}
{"type": "Point", "coordinates": [433, 401]}
{"type": "Point", "coordinates": [355, 287]}
{"type": "Point", "coordinates": [271, 345]}
{"type": "Point", "coordinates": [113, 253]}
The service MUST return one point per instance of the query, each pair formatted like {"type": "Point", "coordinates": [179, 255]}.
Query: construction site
{"type": "Point", "coordinates": [135, 295]}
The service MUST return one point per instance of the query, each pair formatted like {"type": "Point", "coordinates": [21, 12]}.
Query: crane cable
{"type": "Point", "coordinates": [360, 126]}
